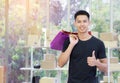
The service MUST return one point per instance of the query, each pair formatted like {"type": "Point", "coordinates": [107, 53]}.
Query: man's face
{"type": "Point", "coordinates": [82, 22]}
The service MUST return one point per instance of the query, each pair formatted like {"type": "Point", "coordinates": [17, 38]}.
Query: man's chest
{"type": "Point", "coordinates": [84, 50]}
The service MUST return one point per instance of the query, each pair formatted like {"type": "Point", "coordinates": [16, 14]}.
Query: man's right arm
{"type": "Point", "coordinates": [64, 57]}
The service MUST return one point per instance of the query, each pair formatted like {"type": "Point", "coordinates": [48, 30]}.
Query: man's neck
{"type": "Point", "coordinates": [84, 36]}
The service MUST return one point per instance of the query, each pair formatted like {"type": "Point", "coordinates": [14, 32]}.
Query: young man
{"type": "Point", "coordinates": [85, 52]}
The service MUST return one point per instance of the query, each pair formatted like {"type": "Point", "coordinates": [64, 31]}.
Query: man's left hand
{"type": "Point", "coordinates": [92, 60]}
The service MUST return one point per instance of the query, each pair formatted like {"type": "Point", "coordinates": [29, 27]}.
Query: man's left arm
{"type": "Point", "coordinates": [102, 65]}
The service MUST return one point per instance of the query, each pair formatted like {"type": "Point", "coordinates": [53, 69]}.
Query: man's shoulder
{"type": "Point", "coordinates": [98, 42]}
{"type": "Point", "coordinates": [97, 39]}
{"type": "Point", "coordinates": [67, 40]}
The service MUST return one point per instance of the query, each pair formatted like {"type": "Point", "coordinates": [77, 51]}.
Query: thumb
{"type": "Point", "coordinates": [93, 54]}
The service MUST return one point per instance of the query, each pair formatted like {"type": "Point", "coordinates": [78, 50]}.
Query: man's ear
{"type": "Point", "coordinates": [89, 22]}
{"type": "Point", "coordinates": [74, 24]}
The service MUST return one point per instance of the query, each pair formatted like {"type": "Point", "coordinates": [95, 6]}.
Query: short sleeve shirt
{"type": "Point", "coordinates": [79, 70]}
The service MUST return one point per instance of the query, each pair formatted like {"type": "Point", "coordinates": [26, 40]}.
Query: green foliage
{"type": "Point", "coordinates": [53, 73]}
{"type": "Point", "coordinates": [20, 77]}
{"type": "Point", "coordinates": [115, 76]}
{"type": "Point", "coordinates": [14, 65]}
{"type": "Point", "coordinates": [116, 26]}
{"type": "Point", "coordinates": [64, 76]}
{"type": "Point", "coordinates": [15, 57]}
{"type": "Point", "coordinates": [116, 53]}
{"type": "Point", "coordinates": [100, 16]}
{"type": "Point", "coordinates": [100, 26]}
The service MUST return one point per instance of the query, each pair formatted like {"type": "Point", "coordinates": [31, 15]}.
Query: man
{"type": "Point", "coordinates": [85, 52]}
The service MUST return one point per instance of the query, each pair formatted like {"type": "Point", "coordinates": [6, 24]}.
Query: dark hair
{"type": "Point", "coordinates": [81, 12]}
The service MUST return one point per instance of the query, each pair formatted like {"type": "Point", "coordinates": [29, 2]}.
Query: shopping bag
{"type": "Point", "coordinates": [58, 41]}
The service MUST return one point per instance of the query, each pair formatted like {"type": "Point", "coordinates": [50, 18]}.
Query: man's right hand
{"type": "Point", "coordinates": [73, 39]}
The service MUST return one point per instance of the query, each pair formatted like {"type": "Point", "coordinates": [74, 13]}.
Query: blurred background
{"type": "Point", "coordinates": [28, 26]}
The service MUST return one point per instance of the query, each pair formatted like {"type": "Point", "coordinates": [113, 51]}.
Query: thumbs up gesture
{"type": "Point", "coordinates": [92, 60]}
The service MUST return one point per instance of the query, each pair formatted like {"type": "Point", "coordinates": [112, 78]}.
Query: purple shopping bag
{"type": "Point", "coordinates": [58, 41]}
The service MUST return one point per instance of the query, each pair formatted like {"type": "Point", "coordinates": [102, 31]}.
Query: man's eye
{"type": "Point", "coordinates": [84, 21]}
{"type": "Point", "coordinates": [78, 21]}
